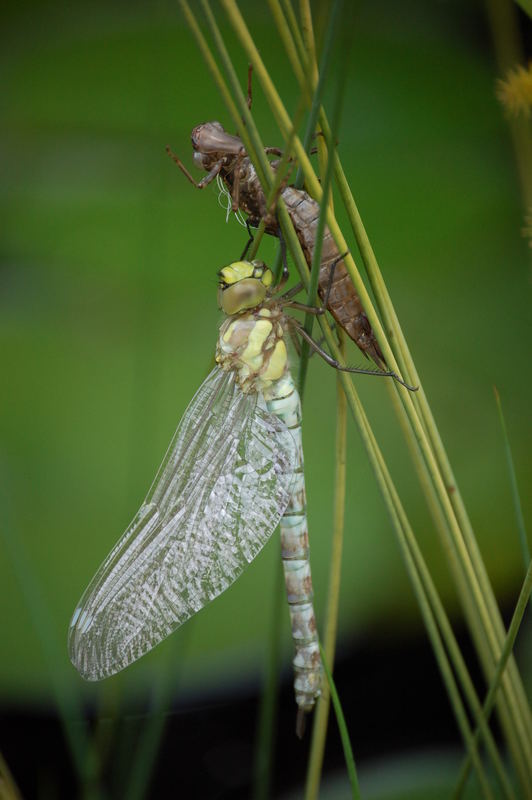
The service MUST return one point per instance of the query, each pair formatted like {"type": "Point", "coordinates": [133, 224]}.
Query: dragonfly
{"type": "Point", "coordinates": [232, 473]}
{"type": "Point", "coordinates": [223, 156]}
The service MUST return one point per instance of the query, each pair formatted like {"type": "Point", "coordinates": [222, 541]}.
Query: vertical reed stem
{"type": "Point", "coordinates": [321, 716]}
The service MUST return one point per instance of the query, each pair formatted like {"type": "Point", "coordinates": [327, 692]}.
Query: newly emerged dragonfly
{"type": "Point", "coordinates": [232, 473]}
{"type": "Point", "coordinates": [224, 157]}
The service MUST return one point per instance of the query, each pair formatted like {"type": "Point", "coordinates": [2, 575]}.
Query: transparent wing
{"type": "Point", "coordinates": [217, 497]}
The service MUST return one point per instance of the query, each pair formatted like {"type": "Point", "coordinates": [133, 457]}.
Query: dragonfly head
{"type": "Point", "coordinates": [243, 285]}
{"type": "Point", "coordinates": [211, 142]}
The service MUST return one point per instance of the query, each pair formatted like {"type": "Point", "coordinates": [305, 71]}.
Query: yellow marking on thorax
{"type": "Point", "coordinates": [257, 336]}
{"type": "Point", "coordinates": [227, 335]}
{"type": "Point", "coordinates": [277, 363]}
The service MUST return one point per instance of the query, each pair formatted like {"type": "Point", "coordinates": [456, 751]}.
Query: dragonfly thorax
{"type": "Point", "coordinates": [252, 345]}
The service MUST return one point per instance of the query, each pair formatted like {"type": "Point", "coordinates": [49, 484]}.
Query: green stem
{"type": "Point", "coordinates": [320, 229]}
{"type": "Point", "coordinates": [290, 47]}
{"type": "Point", "coordinates": [524, 596]}
{"type": "Point", "coordinates": [296, 33]}
{"type": "Point", "coordinates": [518, 509]}
{"type": "Point", "coordinates": [449, 638]}
{"type": "Point", "coordinates": [420, 578]}
{"type": "Point", "coordinates": [264, 749]}
{"type": "Point", "coordinates": [342, 727]}
{"type": "Point", "coordinates": [321, 716]}
{"type": "Point", "coordinates": [483, 616]}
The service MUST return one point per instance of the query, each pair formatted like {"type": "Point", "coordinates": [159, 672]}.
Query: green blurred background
{"type": "Point", "coordinates": [108, 310]}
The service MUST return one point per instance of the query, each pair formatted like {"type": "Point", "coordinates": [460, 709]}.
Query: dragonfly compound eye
{"type": "Point", "coordinates": [245, 294]}
{"type": "Point", "coordinates": [261, 271]}
{"type": "Point", "coordinates": [243, 285]}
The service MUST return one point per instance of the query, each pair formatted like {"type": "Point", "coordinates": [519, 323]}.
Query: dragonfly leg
{"type": "Point", "coordinates": [273, 151]}
{"type": "Point", "coordinates": [236, 181]}
{"type": "Point", "coordinates": [317, 310]}
{"type": "Point", "coordinates": [249, 241]}
{"type": "Point", "coordinates": [331, 277]}
{"type": "Point", "coordinates": [291, 292]}
{"type": "Point", "coordinates": [286, 298]}
{"type": "Point", "coordinates": [286, 272]}
{"type": "Point", "coordinates": [340, 367]}
{"type": "Point", "coordinates": [295, 341]}
{"type": "Point", "coordinates": [204, 181]}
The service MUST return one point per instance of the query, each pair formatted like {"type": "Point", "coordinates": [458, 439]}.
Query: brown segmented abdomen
{"type": "Point", "coordinates": [344, 302]}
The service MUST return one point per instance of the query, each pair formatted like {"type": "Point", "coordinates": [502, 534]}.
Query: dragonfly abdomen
{"type": "Point", "coordinates": [283, 401]}
{"type": "Point", "coordinates": [344, 303]}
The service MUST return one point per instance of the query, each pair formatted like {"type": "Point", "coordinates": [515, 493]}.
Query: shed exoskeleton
{"type": "Point", "coordinates": [222, 155]}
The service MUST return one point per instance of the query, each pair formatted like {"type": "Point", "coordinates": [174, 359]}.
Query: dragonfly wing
{"type": "Point", "coordinates": [218, 496]}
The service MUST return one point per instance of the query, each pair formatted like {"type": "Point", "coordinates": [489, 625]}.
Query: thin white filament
{"type": "Point", "coordinates": [226, 201]}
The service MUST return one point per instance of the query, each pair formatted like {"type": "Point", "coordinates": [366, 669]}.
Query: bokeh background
{"type": "Point", "coordinates": [108, 324]}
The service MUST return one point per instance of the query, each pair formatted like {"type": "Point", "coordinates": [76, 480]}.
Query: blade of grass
{"type": "Point", "coordinates": [485, 623]}
{"type": "Point", "coordinates": [321, 715]}
{"type": "Point", "coordinates": [314, 101]}
{"type": "Point", "coordinates": [518, 509]}
{"type": "Point", "coordinates": [265, 739]}
{"type": "Point", "coordinates": [307, 32]}
{"type": "Point", "coordinates": [524, 597]}
{"type": "Point", "coordinates": [320, 228]}
{"type": "Point", "coordinates": [290, 47]}
{"type": "Point", "coordinates": [293, 25]}
{"type": "Point", "coordinates": [342, 727]}
{"type": "Point", "coordinates": [337, 16]}
{"type": "Point", "coordinates": [449, 638]}
{"type": "Point", "coordinates": [420, 578]}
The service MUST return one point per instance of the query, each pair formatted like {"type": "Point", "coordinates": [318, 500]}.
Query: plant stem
{"type": "Point", "coordinates": [321, 715]}
{"type": "Point", "coordinates": [524, 596]}
{"type": "Point", "coordinates": [342, 727]}
{"type": "Point", "coordinates": [518, 508]}
{"type": "Point", "coordinates": [320, 229]}
{"type": "Point", "coordinates": [264, 750]}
